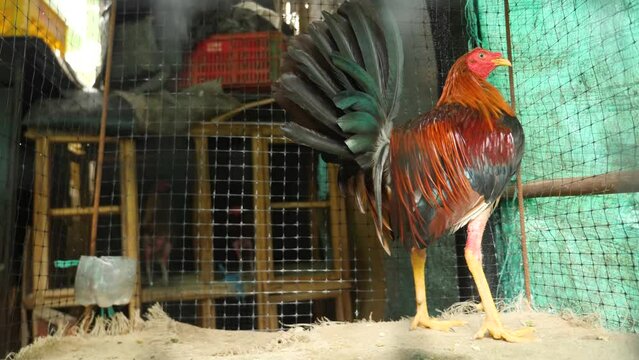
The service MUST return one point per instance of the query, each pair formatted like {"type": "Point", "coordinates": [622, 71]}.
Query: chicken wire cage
{"type": "Point", "coordinates": [234, 227]}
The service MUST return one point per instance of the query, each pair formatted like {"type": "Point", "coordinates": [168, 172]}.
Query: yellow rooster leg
{"type": "Point", "coordinates": [492, 324]}
{"type": "Point", "coordinates": [418, 260]}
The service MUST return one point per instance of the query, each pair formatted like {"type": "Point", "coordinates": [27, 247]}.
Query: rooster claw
{"type": "Point", "coordinates": [498, 332]}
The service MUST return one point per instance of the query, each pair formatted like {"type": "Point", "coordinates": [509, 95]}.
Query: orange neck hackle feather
{"type": "Point", "coordinates": [468, 89]}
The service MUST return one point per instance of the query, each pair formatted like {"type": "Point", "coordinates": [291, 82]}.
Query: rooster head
{"type": "Point", "coordinates": [482, 62]}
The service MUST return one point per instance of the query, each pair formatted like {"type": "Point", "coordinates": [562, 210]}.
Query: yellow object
{"type": "Point", "coordinates": [492, 324]}
{"type": "Point", "coordinates": [34, 18]}
{"type": "Point", "coordinates": [421, 319]}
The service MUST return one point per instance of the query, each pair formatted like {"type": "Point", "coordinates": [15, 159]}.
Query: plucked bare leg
{"type": "Point", "coordinates": [165, 273]}
{"type": "Point", "coordinates": [492, 324]}
{"type": "Point", "coordinates": [148, 258]}
{"type": "Point", "coordinates": [164, 260]}
{"type": "Point", "coordinates": [418, 260]}
{"type": "Point", "coordinates": [149, 272]}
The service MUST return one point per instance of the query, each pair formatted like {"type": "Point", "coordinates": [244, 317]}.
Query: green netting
{"type": "Point", "coordinates": [576, 68]}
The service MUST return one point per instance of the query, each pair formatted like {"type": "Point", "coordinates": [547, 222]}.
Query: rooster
{"type": "Point", "coordinates": [421, 180]}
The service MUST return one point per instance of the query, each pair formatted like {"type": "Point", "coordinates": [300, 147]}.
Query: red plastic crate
{"type": "Point", "coordinates": [240, 60]}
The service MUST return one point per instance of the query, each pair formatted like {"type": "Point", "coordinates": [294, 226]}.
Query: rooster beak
{"type": "Point", "coordinates": [502, 62]}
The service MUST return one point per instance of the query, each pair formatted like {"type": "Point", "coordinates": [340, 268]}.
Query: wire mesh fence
{"type": "Point", "coordinates": [232, 226]}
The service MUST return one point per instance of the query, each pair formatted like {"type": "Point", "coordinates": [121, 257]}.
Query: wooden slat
{"type": "Point", "coordinates": [56, 137]}
{"type": "Point", "coordinates": [311, 289]}
{"type": "Point", "coordinates": [51, 298]}
{"type": "Point", "coordinates": [344, 300]}
{"type": "Point", "coordinates": [372, 282]}
{"type": "Point", "coordinates": [306, 275]}
{"type": "Point", "coordinates": [271, 307]}
{"type": "Point", "coordinates": [339, 240]}
{"type": "Point", "coordinates": [204, 228]}
{"type": "Point", "coordinates": [175, 292]}
{"type": "Point", "coordinates": [84, 211]}
{"type": "Point", "coordinates": [304, 296]}
{"type": "Point", "coordinates": [300, 205]}
{"type": "Point", "coordinates": [267, 312]}
{"type": "Point", "coordinates": [276, 287]}
{"type": "Point", "coordinates": [334, 220]}
{"type": "Point", "coordinates": [213, 290]}
{"type": "Point", "coordinates": [129, 213]}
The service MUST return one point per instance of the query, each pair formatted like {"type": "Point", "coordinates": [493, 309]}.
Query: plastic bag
{"type": "Point", "coordinates": [105, 281]}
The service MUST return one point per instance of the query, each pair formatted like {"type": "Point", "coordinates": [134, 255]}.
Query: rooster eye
{"type": "Point", "coordinates": [481, 55]}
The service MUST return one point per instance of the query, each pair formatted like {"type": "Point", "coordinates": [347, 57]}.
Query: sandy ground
{"type": "Point", "coordinates": [162, 338]}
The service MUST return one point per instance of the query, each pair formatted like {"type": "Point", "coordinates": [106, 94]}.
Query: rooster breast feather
{"type": "Point", "coordinates": [446, 166]}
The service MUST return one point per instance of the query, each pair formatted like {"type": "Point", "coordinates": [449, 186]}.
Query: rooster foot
{"type": "Point", "coordinates": [498, 332]}
{"type": "Point", "coordinates": [427, 322]}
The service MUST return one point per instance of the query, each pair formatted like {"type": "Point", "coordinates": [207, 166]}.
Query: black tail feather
{"type": "Point", "coordinates": [341, 84]}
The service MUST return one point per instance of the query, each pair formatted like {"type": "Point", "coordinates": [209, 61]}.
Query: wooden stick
{"type": "Point", "coordinates": [238, 129]}
{"type": "Point", "coordinates": [102, 139]}
{"type": "Point", "coordinates": [229, 114]}
{"type": "Point", "coordinates": [84, 211]}
{"type": "Point", "coordinates": [612, 183]}
{"type": "Point", "coordinates": [520, 198]}
{"type": "Point", "coordinates": [524, 243]}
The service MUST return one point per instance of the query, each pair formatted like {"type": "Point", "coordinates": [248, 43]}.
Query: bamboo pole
{"type": "Point", "coordinates": [41, 205]}
{"type": "Point", "coordinates": [129, 214]}
{"type": "Point", "coordinates": [612, 183]}
{"type": "Point", "coordinates": [204, 226]}
{"type": "Point", "coordinates": [102, 138]}
{"type": "Point", "coordinates": [520, 191]}
{"type": "Point", "coordinates": [261, 267]}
